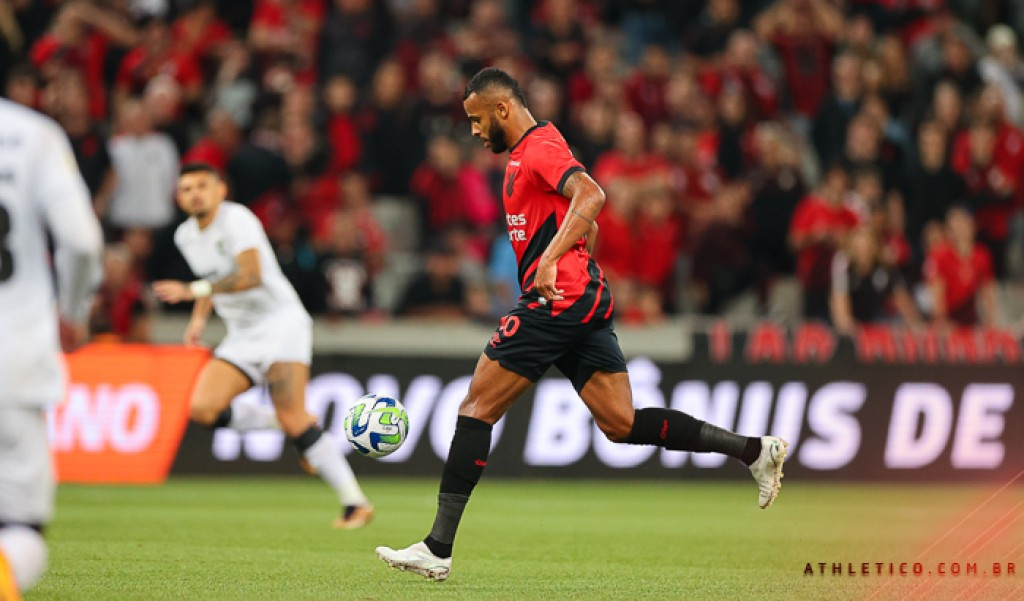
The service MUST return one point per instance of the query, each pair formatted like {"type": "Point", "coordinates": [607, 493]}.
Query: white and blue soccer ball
{"type": "Point", "coordinates": [376, 425]}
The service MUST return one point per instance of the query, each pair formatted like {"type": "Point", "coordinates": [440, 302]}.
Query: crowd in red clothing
{"type": "Point", "coordinates": [738, 141]}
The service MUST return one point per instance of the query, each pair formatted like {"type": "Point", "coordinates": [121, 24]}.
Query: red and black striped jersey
{"type": "Point", "coordinates": [539, 165]}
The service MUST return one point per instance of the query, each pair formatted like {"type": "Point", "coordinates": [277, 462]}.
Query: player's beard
{"type": "Point", "coordinates": [496, 138]}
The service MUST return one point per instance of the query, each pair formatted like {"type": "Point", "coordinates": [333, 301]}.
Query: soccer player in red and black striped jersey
{"type": "Point", "coordinates": [563, 318]}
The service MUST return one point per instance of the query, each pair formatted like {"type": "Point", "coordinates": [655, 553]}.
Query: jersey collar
{"type": "Point", "coordinates": [539, 124]}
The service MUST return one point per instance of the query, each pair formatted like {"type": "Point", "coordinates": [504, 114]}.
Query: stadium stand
{"type": "Point", "coordinates": [711, 124]}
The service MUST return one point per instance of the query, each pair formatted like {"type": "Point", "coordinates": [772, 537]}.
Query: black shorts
{"type": "Point", "coordinates": [529, 341]}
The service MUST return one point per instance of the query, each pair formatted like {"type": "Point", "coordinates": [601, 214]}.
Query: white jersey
{"type": "Point", "coordinates": [40, 188]}
{"type": "Point", "coordinates": [211, 253]}
{"type": "Point", "coordinates": [147, 172]}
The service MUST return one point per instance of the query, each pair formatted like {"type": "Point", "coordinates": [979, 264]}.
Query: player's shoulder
{"type": "Point", "coordinates": [27, 125]}
{"type": "Point", "coordinates": [17, 116]}
{"type": "Point", "coordinates": [234, 212]}
{"type": "Point", "coordinates": [546, 133]}
{"type": "Point", "coordinates": [542, 142]}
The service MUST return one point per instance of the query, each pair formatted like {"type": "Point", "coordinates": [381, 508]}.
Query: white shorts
{"type": "Point", "coordinates": [286, 338]}
{"type": "Point", "coordinates": [26, 473]}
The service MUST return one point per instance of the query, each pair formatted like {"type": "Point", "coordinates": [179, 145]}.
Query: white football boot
{"type": "Point", "coordinates": [418, 559]}
{"type": "Point", "coordinates": [767, 470]}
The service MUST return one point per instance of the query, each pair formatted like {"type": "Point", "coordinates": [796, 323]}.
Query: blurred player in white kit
{"type": "Point", "coordinates": [269, 337]}
{"type": "Point", "coordinates": [41, 190]}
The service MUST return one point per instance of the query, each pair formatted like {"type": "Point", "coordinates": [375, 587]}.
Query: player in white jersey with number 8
{"type": "Point", "coordinates": [40, 189]}
{"type": "Point", "coordinates": [269, 338]}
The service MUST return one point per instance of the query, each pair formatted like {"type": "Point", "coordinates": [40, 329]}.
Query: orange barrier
{"type": "Point", "coordinates": [125, 412]}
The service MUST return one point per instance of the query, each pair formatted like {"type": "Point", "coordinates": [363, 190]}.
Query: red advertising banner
{"type": "Point", "coordinates": [125, 412]}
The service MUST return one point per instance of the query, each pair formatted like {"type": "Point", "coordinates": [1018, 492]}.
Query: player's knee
{"type": "Point", "coordinates": [616, 430]}
{"type": "Point", "coordinates": [471, 407]}
{"type": "Point", "coordinates": [25, 552]}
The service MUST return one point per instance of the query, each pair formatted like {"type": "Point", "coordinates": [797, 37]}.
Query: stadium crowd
{"type": "Point", "coordinates": [871, 148]}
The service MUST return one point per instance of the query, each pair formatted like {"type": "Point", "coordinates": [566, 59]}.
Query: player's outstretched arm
{"type": "Point", "coordinates": [585, 201]}
{"type": "Point", "coordinates": [246, 276]}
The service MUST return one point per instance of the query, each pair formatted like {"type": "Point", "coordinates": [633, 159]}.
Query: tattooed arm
{"type": "Point", "coordinates": [585, 201]}
{"type": "Point", "coordinates": [246, 275]}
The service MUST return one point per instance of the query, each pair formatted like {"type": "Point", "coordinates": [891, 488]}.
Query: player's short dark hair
{"type": "Point", "coordinates": [493, 77]}
{"type": "Point", "coordinates": [198, 167]}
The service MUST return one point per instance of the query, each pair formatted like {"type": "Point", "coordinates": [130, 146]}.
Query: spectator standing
{"type": "Point", "coordinates": [708, 36]}
{"type": "Point", "coordinates": [199, 34]}
{"type": "Point", "coordinates": [820, 226]}
{"type": "Point", "coordinates": [286, 32]}
{"type": "Point", "coordinates": [629, 157]}
{"type": "Point", "coordinates": [1004, 68]}
{"type": "Point", "coordinates": [960, 277]}
{"type": "Point", "coordinates": [355, 38]}
{"type": "Point", "coordinates": [741, 68]}
{"type": "Point", "coordinates": [776, 187]}
{"type": "Point", "coordinates": [70, 106]}
{"type": "Point", "coordinates": [805, 34]}
{"type": "Point", "coordinates": [645, 89]}
{"type": "Point", "coordinates": [990, 193]}
{"type": "Point", "coordinates": [828, 131]}
{"type": "Point", "coordinates": [155, 55]}
{"type": "Point", "coordinates": [558, 46]}
{"type": "Point", "coordinates": [392, 144]}
{"type": "Point", "coordinates": [339, 97]}
{"type": "Point", "coordinates": [147, 165]}
{"type": "Point", "coordinates": [723, 263]}
{"type": "Point", "coordinates": [79, 38]}
{"type": "Point", "coordinates": [865, 289]}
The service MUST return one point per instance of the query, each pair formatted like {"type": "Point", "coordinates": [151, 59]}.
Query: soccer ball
{"type": "Point", "coordinates": [376, 425]}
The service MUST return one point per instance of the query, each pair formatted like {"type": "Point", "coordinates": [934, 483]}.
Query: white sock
{"type": "Point", "coordinates": [246, 416]}
{"type": "Point", "coordinates": [25, 552]}
{"type": "Point", "coordinates": [325, 457]}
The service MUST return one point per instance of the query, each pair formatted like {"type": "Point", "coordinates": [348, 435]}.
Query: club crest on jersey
{"type": "Point", "coordinates": [222, 248]}
{"type": "Point", "coordinates": [510, 180]}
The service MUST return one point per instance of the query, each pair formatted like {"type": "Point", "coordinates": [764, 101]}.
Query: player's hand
{"type": "Point", "coordinates": [172, 291]}
{"type": "Point", "coordinates": [194, 332]}
{"type": "Point", "coordinates": [72, 335]}
{"type": "Point", "coordinates": [544, 281]}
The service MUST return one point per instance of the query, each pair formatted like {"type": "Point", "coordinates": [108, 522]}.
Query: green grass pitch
{"type": "Point", "coordinates": [269, 538]}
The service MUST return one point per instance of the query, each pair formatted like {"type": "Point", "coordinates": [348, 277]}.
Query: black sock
{"type": "Point", "coordinates": [678, 431]}
{"type": "Point", "coordinates": [223, 419]}
{"type": "Point", "coordinates": [467, 458]}
{"type": "Point", "coordinates": [307, 439]}
{"type": "Point", "coordinates": [674, 430]}
{"type": "Point", "coordinates": [718, 440]}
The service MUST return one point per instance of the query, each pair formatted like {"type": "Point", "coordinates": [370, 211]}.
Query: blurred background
{"type": "Point", "coordinates": [779, 175]}
{"type": "Point", "coordinates": [851, 161]}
